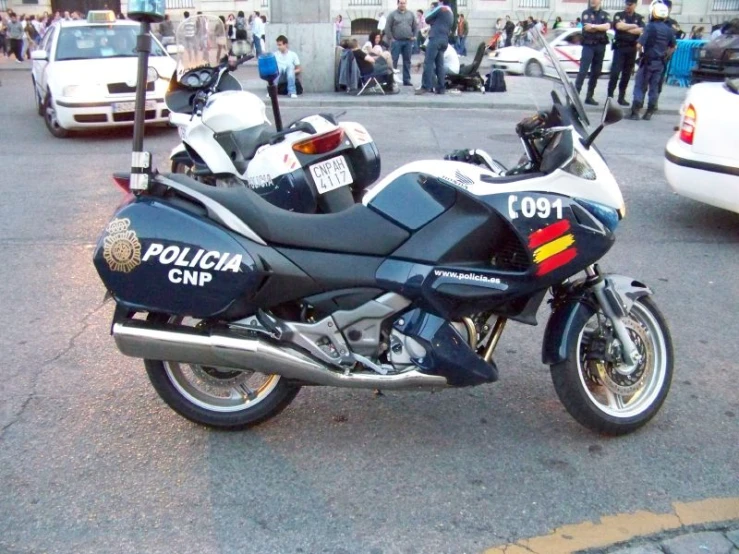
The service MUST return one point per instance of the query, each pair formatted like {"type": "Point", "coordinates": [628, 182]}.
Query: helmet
{"type": "Point", "coordinates": [659, 10]}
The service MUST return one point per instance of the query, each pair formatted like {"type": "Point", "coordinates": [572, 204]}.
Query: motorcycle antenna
{"type": "Point", "coordinates": [146, 12]}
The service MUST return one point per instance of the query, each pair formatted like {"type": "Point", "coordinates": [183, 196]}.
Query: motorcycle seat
{"type": "Point", "coordinates": [242, 145]}
{"type": "Point", "coordinates": [357, 230]}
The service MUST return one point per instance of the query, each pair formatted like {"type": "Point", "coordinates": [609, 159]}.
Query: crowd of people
{"type": "Point", "coordinates": [20, 34]}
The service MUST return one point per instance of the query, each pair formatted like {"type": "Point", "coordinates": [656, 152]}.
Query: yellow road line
{"type": "Point", "coordinates": [622, 527]}
{"type": "Point", "coordinates": [551, 248]}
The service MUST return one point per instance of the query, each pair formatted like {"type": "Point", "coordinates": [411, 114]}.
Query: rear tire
{"type": "Point", "coordinates": [580, 387]}
{"type": "Point", "coordinates": [215, 397]}
{"type": "Point", "coordinates": [533, 69]}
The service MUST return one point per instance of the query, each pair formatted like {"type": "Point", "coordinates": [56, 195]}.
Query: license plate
{"type": "Point", "coordinates": [331, 174]}
{"type": "Point", "coordinates": [121, 107]}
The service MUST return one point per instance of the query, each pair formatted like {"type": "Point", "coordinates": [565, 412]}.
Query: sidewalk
{"type": "Point", "coordinates": [521, 95]}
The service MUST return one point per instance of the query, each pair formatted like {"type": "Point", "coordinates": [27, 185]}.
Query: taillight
{"type": "Point", "coordinates": [123, 180]}
{"type": "Point", "coordinates": [320, 144]}
{"type": "Point", "coordinates": [688, 127]}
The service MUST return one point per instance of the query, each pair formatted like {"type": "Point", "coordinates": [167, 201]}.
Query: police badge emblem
{"type": "Point", "coordinates": [121, 248]}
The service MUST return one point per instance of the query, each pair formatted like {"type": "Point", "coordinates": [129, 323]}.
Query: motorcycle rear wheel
{"type": "Point", "coordinates": [588, 387]}
{"type": "Point", "coordinates": [218, 397]}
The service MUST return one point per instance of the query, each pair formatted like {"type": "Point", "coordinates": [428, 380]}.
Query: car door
{"type": "Point", "coordinates": [41, 67]}
{"type": "Point", "coordinates": [569, 51]}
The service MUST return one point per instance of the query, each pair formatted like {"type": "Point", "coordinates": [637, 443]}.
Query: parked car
{"type": "Point", "coordinates": [567, 43]}
{"type": "Point", "coordinates": [718, 59]}
{"type": "Point", "coordinates": [702, 158]}
{"type": "Point", "coordinates": [84, 75]}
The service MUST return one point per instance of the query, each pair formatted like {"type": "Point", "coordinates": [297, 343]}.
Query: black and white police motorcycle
{"type": "Point", "coordinates": [235, 304]}
{"type": "Point", "coordinates": [313, 165]}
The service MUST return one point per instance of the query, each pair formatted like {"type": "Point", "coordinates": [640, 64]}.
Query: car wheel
{"type": "Point", "coordinates": [52, 124]}
{"type": "Point", "coordinates": [39, 103]}
{"type": "Point", "coordinates": [533, 69]}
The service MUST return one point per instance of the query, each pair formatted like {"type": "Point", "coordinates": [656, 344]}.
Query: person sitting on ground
{"type": "Point", "coordinates": [373, 65]}
{"type": "Point", "coordinates": [373, 47]}
{"type": "Point", "coordinates": [288, 64]}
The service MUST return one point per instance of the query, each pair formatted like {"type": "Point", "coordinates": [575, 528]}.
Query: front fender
{"type": "Point", "coordinates": [573, 312]}
{"type": "Point", "coordinates": [179, 154]}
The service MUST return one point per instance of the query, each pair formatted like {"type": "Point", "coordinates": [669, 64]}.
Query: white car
{"type": "Point", "coordinates": [567, 43]}
{"type": "Point", "coordinates": [84, 75]}
{"type": "Point", "coordinates": [702, 158]}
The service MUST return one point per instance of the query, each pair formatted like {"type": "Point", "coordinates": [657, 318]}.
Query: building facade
{"type": "Point", "coordinates": [360, 16]}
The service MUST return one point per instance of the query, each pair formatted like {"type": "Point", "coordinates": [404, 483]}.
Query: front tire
{"type": "Point", "coordinates": [52, 123]}
{"type": "Point", "coordinates": [605, 400]}
{"type": "Point", "coordinates": [218, 397]}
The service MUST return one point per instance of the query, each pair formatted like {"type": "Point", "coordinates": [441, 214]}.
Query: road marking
{"type": "Point", "coordinates": [622, 527]}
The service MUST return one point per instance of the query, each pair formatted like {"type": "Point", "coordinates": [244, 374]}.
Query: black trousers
{"type": "Point", "coordinates": [592, 59]}
{"type": "Point", "coordinates": [16, 47]}
{"type": "Point", "coordinates": [624, 60]}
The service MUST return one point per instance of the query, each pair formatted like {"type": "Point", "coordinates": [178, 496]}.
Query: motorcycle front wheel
{"type": "Point", "coordinates": [218, 397]}
{"type": "Point", "coordinates": [603, 395]}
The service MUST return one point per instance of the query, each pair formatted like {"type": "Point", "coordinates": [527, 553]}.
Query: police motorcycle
{"type": "Point", "coordinates": [234, 304]}
{"type": "Point", "coordinates": [313, 165]}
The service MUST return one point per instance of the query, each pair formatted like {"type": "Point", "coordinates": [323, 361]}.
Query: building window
{"type": "Point", "coordinates": [3, 5]}
{"type": "Point", "coordinates": [30, 1]}
{"type": "Point", "coordinates": [461, 3]}
{"type": "Point", "coordinates": [725, 5]}
{"type": "Point", "coordinates": [365, 2]}
{"type": "Point", "coordinates": [534, 4]}
{"type": "Point", "coordinates": [180, 4]}
{"type": "Point", "coordinates": [363, 26]}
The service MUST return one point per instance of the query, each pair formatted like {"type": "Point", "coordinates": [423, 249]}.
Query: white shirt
{"type": "Point", "coordinates": [381, 23]}
{"type": "Point", "coordinates": [716, 34]}
{"type": "Point", "coordinates": [286, 60]}
{"type": "Point", "coordinates": [257, 27]}
{"type": "Point", "coordinates": [451, 60]}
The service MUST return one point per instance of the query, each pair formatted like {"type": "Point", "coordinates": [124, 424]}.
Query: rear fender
{"type": "Point", "coordinates": [179, 154]}
{"type": "Point", "coordinates": [573, 309]}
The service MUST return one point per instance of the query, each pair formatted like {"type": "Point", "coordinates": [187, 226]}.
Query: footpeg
{"type": "Point", "coordinates": [269, 323]}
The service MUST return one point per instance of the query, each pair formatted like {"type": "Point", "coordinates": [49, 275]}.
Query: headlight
{"type": "Point", "coordinates": [579, 167]}
{"type": "Point", "coordinates": [732, 55]}
{"type": "Point", "coordinates": [83, 91]}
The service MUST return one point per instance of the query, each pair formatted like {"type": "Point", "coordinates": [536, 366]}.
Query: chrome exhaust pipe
{"type": "Point", "coordinates": [224, 348]}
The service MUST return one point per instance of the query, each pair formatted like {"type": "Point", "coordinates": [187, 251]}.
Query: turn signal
{"type": "Point", "coordinates": [320, 144]}
{"type": "Point", "coordinates": [688, 127]}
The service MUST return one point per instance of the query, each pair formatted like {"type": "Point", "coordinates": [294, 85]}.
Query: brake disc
{"type": "Point", "coordinates": [627, 385]}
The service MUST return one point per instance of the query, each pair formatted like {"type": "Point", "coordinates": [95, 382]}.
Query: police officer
{"type": "Point", "coordinates": [628, 25]}
{"type": "Point", "coordinates": [656, 44]}
{"type": "Point", "coordinates": [595, 24]}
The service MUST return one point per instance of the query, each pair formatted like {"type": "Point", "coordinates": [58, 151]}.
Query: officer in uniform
{"type": "Point", "coordinates": [629, 26]}
{"type": "Point", "coordinates": [656, 44]}
{"type": "Point", "coordinates": [595, 24]}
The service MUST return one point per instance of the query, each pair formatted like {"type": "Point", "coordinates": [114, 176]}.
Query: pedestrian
{"type": "Point", "coordinates": [381, 21]}
{"type": "Point", "coordinates": [221, 39]}
{"type": "Point", "coordinates": [338, 25]}
{"type": "Point", "coordinates": [656, 44]}
{"type": "Point", "coordinates": [288, 64]}
{"type": "Point", "coordinates": [240, 26]}
{"type": "Point", "coordinates": [440, 19]}
{"type": "Point", "coordinates": [420, 28]}
{"type": "Point", "coordinates": [231, 27]}
{"type": "Point", "coordinates": [596, 23]}
{"type": "Point", "coordinates": [510, 28]}
{"type": "Point", "coordinates": [166, 31]}
{"type": "Point", "coordinates": [31, 38]}
{"type": "Point", "coordinates": [463, 29]}
{"type": "Point", "coordinates": [257, 30]}
{"type": "Point", "coordinates": [629, 26]}
{"type": "Point", "coordinates": [400, 29]}
{"type": "Point", "coordinates": [15, 37]}
{"type": "Point", "coordinates": [3, 36]}
{"type": "Point", "coordinates": [557, 23]}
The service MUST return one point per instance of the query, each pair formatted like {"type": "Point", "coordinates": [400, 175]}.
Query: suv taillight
{"type": "Point", "coordinates": [687, 130]}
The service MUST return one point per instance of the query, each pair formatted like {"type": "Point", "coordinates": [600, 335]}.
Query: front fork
{"type": "Point", "coordinates": [615, 311]}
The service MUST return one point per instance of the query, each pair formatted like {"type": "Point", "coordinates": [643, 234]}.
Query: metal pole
{"type": "Point", "coordinates": [140, 160]}
{"type": "Point", "coordinates": [272, 90]}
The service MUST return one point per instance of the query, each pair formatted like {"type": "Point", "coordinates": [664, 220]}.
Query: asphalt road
{"type": "Point", "coordinates": [92, 461]}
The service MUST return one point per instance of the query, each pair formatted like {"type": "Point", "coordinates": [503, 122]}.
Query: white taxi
{"type": "Point", "coordinates": [702, 158]}
{"type": "Point", "coordinates": [567, 44]}
{"type": "Point", "coordinates": [84, 75]}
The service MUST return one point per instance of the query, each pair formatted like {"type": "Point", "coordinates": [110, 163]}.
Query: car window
{"type": "Point", "coordinates": [96, 42]}
{"type": "Point", "coordinates": [554, 34]}
{"type": "Point", "coordinates": [48, 40]}
{"type": "Point", "coordinates": [575, 39]}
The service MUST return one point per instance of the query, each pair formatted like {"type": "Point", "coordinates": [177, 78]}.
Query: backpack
{"type": "Point", "coordinates": [240, 24]}
{"type": "Point", "coordinates": [495, 81]}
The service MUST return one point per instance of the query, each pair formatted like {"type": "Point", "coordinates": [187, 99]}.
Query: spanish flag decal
{"type": "Point", "coordinates": [553, 246]}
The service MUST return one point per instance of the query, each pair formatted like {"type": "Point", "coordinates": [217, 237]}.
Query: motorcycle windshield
{"type": "Point", "coordinates": [201, 40]}
{"type": "Point", "coordinates": [541, 57]}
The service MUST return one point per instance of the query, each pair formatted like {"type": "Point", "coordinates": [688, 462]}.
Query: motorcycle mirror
{"type": "Point", "coordinates": [612, 113]}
